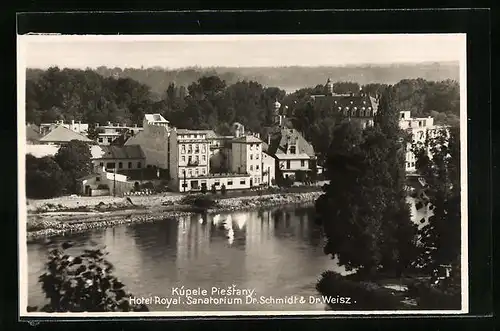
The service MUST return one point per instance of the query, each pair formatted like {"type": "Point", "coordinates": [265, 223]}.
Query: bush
{"type": "Point", "coordinates": [223, 189]}
{"type": "Point", "coordinates": [203, 189]}
{"type": "Point", "coordinates": [446, 295]}
{"type": "Point", "coordinates": [363, 296]}
{"type": "Point", "coordinates": [83, 283]}
{"type": "Point", "coordinates": [199, 201]}
{"type": "Point", "coordinates": [213, 189]}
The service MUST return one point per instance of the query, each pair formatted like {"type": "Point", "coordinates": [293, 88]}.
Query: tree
{"type": "Point", "coordinates": [83, 283]}
{"type": "Point", "coordinates": [223, 189]}
{"type": "Point", "coordinates": [204, 189]}
{"type": "Point", "coordinates": [363, 210]}
{"type": "Point", "coordinates": [438, 161]}
{"type": "Point", "coordinates": [213, 189]}
{"type": "Point", "coordinates": [74, 158]}
{"type": "Point", "coordinates": [44, 177]}
{"type": "Point", "coordinates": [93, 132]}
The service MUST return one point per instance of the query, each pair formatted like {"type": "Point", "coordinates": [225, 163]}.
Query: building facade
{"type": "Point", "coordinates": [246, 158]}
{"type": "Point", "coordinates": [268, 169]}
{"type": "Point", "coordinates": [188, 158]}
{"type": "Point", "coordinates": [120, 158]}
{"type": "Point", "coordinates": [154, 142]}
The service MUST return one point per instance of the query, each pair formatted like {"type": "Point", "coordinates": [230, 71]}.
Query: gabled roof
{"type": "Point", "coordinates": [248, 139]}
{"type": "Point", "coordinates": [280, 141]}
{"type": "Point", "coordinates": [62, 134]}
{"type": "Point", "coordinates": [122, 152]}
{"type": "Point", "coordinates": [155, 118]}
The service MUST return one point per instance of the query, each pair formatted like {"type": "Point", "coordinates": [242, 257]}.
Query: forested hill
{"type": "Point", "coordinates": [286, 78]}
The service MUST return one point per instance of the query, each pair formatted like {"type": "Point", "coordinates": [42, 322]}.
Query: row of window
{"type": "Point", "coordinates": [256, 156]}
{"type": "Point", "coordinates": [191, 136]}
{"type": "Point", "coordinates": [195, 160]}
{"type": "Point", "coordinates": [302, 164]}
{"type": "Point", "coordinates": [252, 146]}
{"type": "Point", "coordinates": [256, 167]}
{"type": "Point", "coordinates": [410, 164]}
{"type": "Point", "coordinates": [194, 172]}
{"type": "Point", "coordinates": [193, 148]}
{"type": "Point", "coordinates": [109, 140]}
{"type": "Point", "coordinates": [112, 165]}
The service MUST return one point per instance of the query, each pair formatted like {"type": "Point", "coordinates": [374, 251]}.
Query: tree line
{"type": "Point", "coordinates": [211, 103]}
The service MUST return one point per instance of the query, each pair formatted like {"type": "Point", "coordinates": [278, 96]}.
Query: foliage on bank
{"type": "Point", "coordinates": [83, 283]}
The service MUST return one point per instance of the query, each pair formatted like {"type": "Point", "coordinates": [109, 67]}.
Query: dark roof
{"type": "Point", "coordinates": [280, 140]}
{"type": "Point", "coordinates": [122, 152]}
{"type": "Point", "coordinates": [32, 133]}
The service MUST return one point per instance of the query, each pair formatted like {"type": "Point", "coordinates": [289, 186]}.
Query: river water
{"type": "Point", "coordinates": [276, 252]}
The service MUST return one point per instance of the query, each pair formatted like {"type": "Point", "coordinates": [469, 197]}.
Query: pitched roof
{"type": "Point", "coordinates": [155, 118]}
{"type": "Point", "coordinates": [210, 134]}
{"type": "Point", "coordinates": [122, 152]}
{"type": "Point", "coordinates": [280, 141]}
{"type": "Point", "coordinates": [248, 139]}
{"type": "Point", "coordinates": [62, 134]}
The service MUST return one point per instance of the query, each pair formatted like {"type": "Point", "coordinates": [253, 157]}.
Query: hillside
{"type": "Point", "coordinates": [286, 78]}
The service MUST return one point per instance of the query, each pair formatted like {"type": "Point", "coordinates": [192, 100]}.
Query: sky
{"type": "Point", "coordinates": [236, 50]}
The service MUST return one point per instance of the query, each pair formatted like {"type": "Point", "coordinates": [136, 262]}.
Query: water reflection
{"type": "Point", "coordinates": [275, 251]}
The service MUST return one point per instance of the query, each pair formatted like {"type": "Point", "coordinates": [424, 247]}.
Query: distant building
{"type": "Point", "coordinates": [420, 129]}
{"type": "Point", "coordinates": [120, 158]}
{"type": "Point", "coordinates": [62, 135]}
{"type": "Point", "coordinates": [155, 119]}
{"type": "Point", "coordinates": [108, 134]}
{"type": "Point", "coordinates": [77, 127]}
{"type": "Point", "coordinates": [32, 134]}
{"type": "Point", "coordinates": [102, 182]}
{"type": "Point", "coordinates": [292, 152]}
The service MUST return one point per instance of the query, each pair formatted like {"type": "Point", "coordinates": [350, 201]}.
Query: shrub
{"type": "Point", "coordinates": [199, 201]}
{"type": "Point", "coordinates": [363, 296]}
{"type": "Point", "coordinates": [83, 283]}
{"type": "Point", "coordinates": [445, 295]}
{"type": "Point", "coordinates": [223, 189]}
{"type": "Point", "coordinates": [203, 189]}
{"type": "Point", "coordinates": [213, 189]}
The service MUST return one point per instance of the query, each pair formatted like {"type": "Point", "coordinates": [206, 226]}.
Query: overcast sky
{"type": "Point", "coordinates": [237, 50]}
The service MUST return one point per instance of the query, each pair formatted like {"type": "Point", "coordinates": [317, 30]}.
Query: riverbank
{"type": "Point", "coordinates": [84, 214]}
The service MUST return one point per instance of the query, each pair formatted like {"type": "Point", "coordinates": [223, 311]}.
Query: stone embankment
{"type": "Point", "coordinates": [42, 222]}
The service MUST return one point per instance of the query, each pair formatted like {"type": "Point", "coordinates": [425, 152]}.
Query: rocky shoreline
{"type": "Point", "coordinates": [40, 224]}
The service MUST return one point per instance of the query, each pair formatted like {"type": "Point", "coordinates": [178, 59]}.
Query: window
{"type": "Point", "coordinates": [120, 165]}
{"type": "Point", "coordinates": [256, 156]}
{"type": "Point", "coordinates": [257, 180]}
{"type": "Point", "coordinates": [229, 182]}
{"type": "Point", "coordinates": [100, 140]}
{"type": "Point", "coordinates": [243, 182]}
{"type": "Point", "coordinates": [203, 148]}
{"type": "Point", "coordinates": [196, 172]}
{"type": "Point", "coordinates": [250, 146]}
{"type": "Point", "coordinates": [98, 179]}
{"type": "Point", "coordinates": [184, 185]}
{"type": "Point", "coordinates": [190, 172]}
{"type": "Point", "coordinates": [139, 165]}
{"type": "Point", "coordinates": [251, 157]}
{"type": "Point", "coordinates": [130, 165]}
{"type": "Point", "coordinates": [190, 159]}
{"type": "Point", "coordinates": [217, 183]}
{"type": "Point", "coordinates": [251, 167]}
{"type": "Point", "coordinates": [183, 149]}
{"type": "Point", "coordinates": [101, 164]}
{"type": "Point", "coordinates": [110, 165]}
{"type": "Point", "coordinates": [183, 159]}
{"type": "Point", "coordinates": [402, 115]}
{"type": "Point", "coordinates": [302, 163]}
{"type": "Point", "coordinates": [204, 157]}
{"type": "Point", "coordinates": [110, 140]}
{"type": "Point", "coordinates": [288, 164]}
{"type": "Point", "coordinates": [197, 158]}
{"type": "Point", "coordinates": [196, 148]}
{"type": "Point", "coordinates": [292, 149]}
{"type": "Point", "coordinates": [203, 171]}
{"type": "Point", "coordinates": [257, 167]}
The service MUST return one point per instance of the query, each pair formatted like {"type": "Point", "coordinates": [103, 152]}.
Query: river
{"type": "Point", "coordinates": [276, 252]}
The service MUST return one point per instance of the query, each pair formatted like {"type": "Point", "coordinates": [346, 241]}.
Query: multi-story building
{"type": "Point", "coordinates": [268, 169]}
{"type": "Point", "coordinates": [188, 158]}
{"type": "Point", "coordinates": [246, 157]}
{"type": "Point", "coordinates": [420, 129]}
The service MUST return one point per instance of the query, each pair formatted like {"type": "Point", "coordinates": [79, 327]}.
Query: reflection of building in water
{"type": "Point", "coordinates": [192, 240]}
{"type": "Point", "coordinates": [259, 230]}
